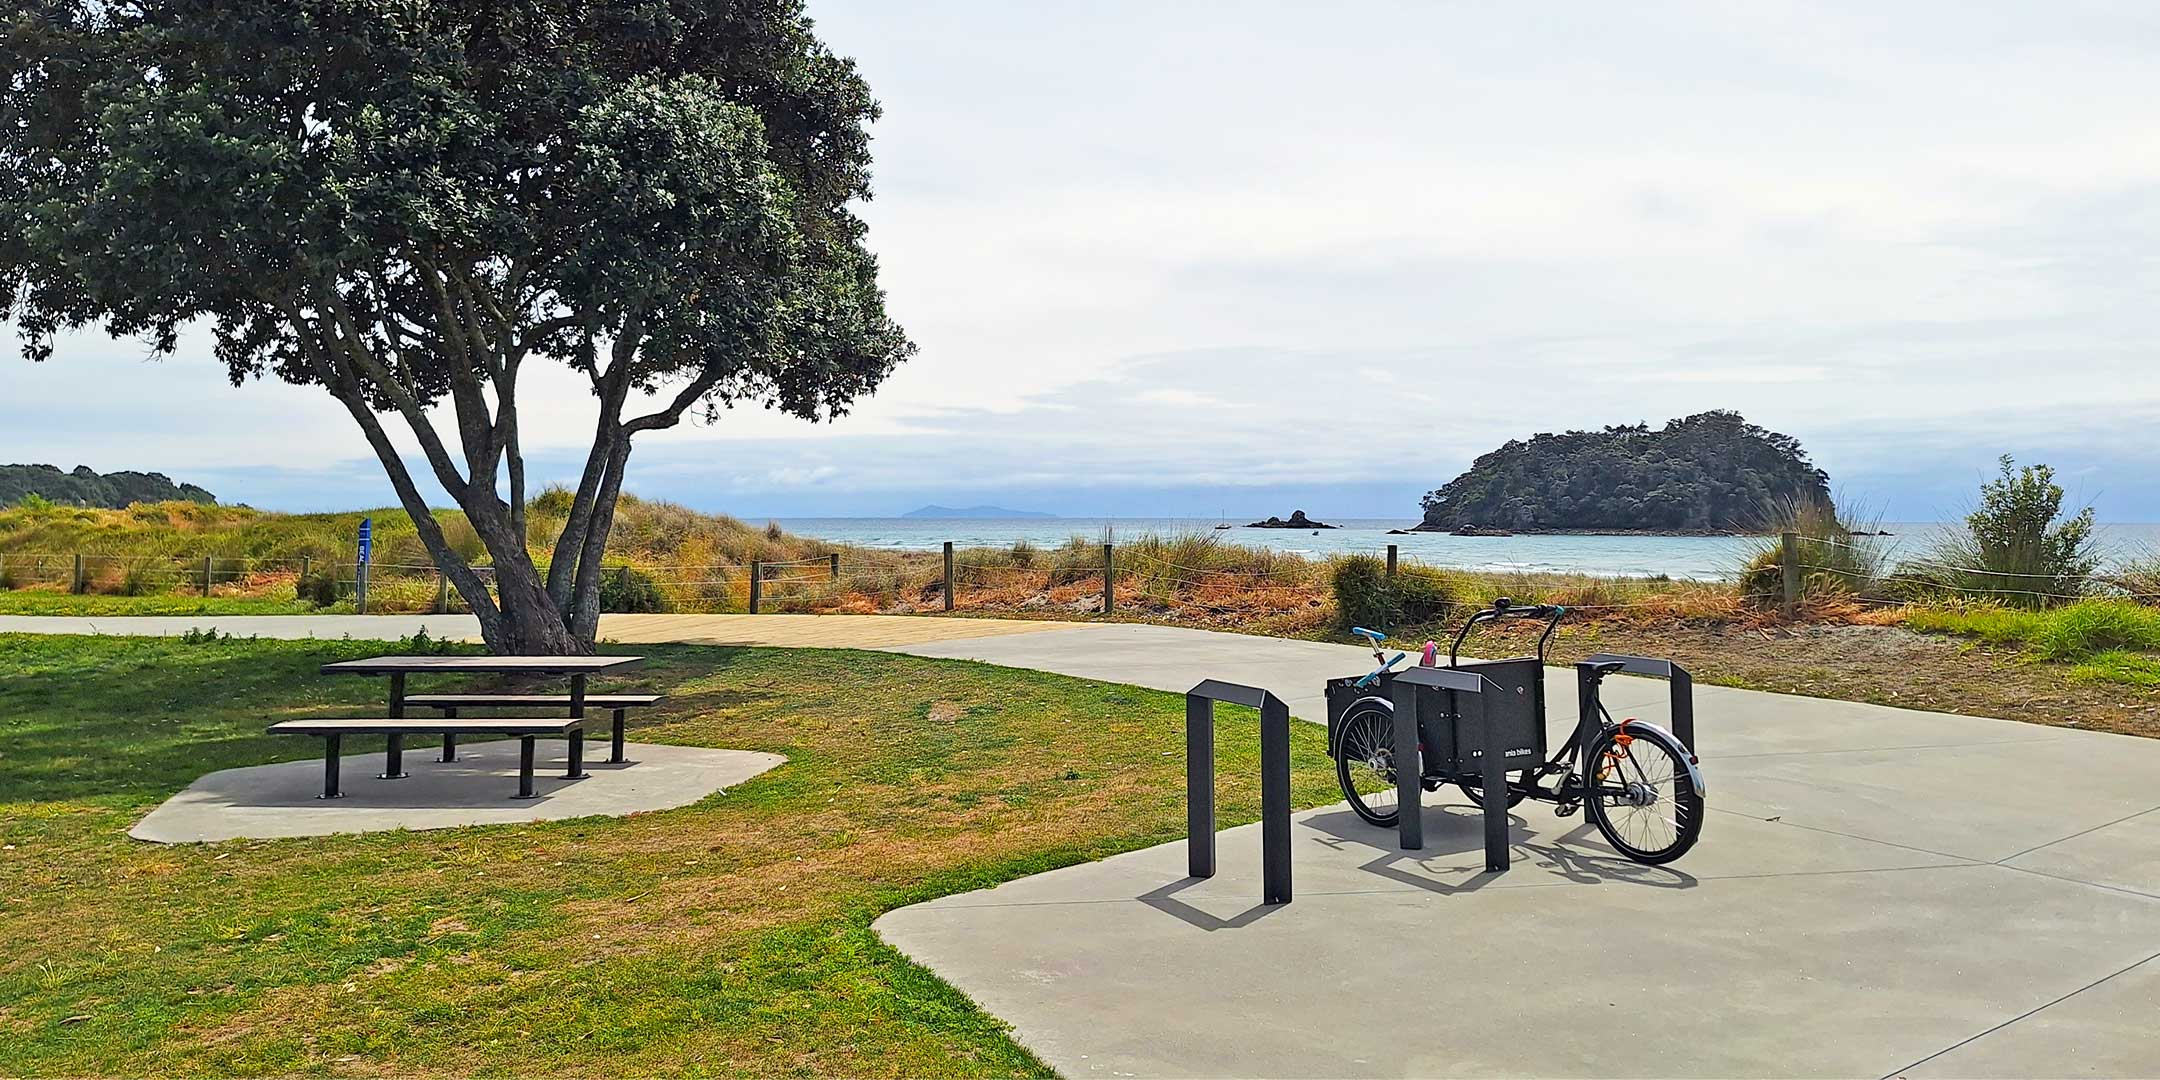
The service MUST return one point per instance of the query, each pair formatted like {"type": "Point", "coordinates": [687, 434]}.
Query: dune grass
{"type": "Point", "coordinates": [728, 937]}
{"type": "Point", "coordinates": [2102, 640]}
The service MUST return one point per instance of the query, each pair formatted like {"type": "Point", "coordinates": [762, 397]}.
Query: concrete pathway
{"type": "Point", "coordinates": [1878, 892]}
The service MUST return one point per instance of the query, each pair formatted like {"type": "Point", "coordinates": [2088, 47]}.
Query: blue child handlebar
{"type": "Point", "coordinates": [1374, 676]}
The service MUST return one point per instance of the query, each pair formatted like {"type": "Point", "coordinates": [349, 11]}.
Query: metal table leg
{"type": "Point", "coordinates": [333, 745]}
{"type": "Point", "coordinates": [615, 753]}
{"type": "Point", "coordinates": [394, 758]}
{"type": "Point", "coordinates": [577, 755]}
{"type": "Point", "coordinates": [525, 767]}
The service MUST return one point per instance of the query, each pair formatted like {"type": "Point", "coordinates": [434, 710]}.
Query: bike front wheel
{"type": "Point", "coordinates": [1365, 760]}
{"type": "Point", "coordinates": [1642, 797]}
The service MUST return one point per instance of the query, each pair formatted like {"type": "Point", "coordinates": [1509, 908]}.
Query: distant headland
{"type": "Point", "coordinates": [85, 487]}
{"type": "Point", "coordinates": [973, 512]}
{"type": "Point", "coordinates": [1711, 473]}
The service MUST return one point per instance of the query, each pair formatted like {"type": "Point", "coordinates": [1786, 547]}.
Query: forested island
{"type": "Point", "coordinates": [1709, 473]}
{"type": "Point", "coordinates": [85, 487]}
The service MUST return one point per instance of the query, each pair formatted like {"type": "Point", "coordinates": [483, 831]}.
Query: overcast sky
{"type": "Point", "coordinates": [1195, 258]}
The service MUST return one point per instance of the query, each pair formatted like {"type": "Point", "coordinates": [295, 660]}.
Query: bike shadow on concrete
{"type": "Point", "coordinates": [1544, 850]}
{"type": "Point", "coordinates": [1569, 851]}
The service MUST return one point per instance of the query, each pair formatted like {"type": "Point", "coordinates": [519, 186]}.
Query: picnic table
{"type": "Point", "coordinates": [396, 725]}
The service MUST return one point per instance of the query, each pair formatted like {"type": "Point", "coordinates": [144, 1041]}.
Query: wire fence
{"type": "Point", "coordinates": [1149, 576]}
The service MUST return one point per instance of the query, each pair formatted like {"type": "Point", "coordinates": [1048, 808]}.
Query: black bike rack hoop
{"type": "Point", "coordinates": [1274, 783]}
{"type": "Point", "coordinates": [1409, 782]}
{"type": "Point", "coordinates": [1683, 688]}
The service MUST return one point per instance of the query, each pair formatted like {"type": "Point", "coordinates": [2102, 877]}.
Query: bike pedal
{"type": "Point", "coordinates": [1566, 809]}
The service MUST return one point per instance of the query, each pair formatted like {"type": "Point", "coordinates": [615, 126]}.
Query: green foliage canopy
{"type": "Point", "coordinates": [1711, 472]}
{"type": "Point", "coordinates": [403, 201]}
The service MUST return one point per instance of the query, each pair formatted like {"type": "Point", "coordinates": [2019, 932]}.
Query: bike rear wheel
{"type": "Point", "coordinates": [1642, 797]}
{"type": "Point", "coordinates": [1365, 760]}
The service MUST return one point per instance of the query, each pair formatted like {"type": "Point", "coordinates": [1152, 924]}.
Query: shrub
{"type": "Point", "coordinates": [1424, 595]}
{"type": "Point", "coordinates": [319, 587]}
{"type": "Point", "coordinates": [1362, 596]}
{"type": "Point", "coordinates": [144, 578]}
{"type": "Point", "coordinates": [1366, 596]}
{"type": "Point", "coordinates": [2016, 547]}
{"type": "Point", "coordinates": [627, 591]}
{"type": "Point", "coordinates": [555, 500]}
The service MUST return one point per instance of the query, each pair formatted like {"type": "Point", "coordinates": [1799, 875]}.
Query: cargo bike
{"type": "Point", "coordinates": [1637, 781]}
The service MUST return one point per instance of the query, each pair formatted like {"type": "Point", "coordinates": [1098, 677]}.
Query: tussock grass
{"type": "Point", "coordinates": [1834, 564]}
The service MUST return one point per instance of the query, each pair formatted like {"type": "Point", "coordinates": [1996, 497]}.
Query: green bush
{"type": "Point", "coordinates": [1362, 595]}
{"type": "Point", "coordinates": [627, 591]}
{"type": "Point", "coordinates": [142, 578]}
{"type": "Point", "coordinates": [319, 587]}
{"type": "Point", "coordinates": [1366, 596]}
{"type": "Point", "coordinates": [2017, 547]}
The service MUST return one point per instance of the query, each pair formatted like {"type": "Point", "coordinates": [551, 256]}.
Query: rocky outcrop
{"type": "Point", "coordinates": [1298, 520]}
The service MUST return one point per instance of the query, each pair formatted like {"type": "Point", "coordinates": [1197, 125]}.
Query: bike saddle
{"type": "Point", "coordinates": [1608, 667]}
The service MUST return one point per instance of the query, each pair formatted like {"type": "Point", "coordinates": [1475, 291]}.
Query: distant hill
{"type": "Point", "coordinates": [974, 512]}
{"type": "Point", "coordinates": [84, 487]}
{"type": "Point", "coordinates": [1709, 473]}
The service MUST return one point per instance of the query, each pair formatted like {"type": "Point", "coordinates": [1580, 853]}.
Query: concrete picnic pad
{"type": "Point", "coordinates": [1878, 891]}
{"type": "Point", "coordinates": [281, 799]}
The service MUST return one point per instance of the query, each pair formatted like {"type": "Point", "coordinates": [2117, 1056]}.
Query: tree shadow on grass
{"type": "Point", "coordinates": [133, 720]}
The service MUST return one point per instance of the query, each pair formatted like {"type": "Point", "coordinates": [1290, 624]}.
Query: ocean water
{"type": "Point", "coordinates": [1696, 557]}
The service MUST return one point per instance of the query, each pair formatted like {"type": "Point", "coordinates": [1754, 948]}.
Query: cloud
{"type": "Point", "coordinates": [1153, 251]}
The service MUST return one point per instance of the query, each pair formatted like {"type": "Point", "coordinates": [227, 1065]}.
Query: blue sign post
{"type": "Point", "coordinates": [367, 546]}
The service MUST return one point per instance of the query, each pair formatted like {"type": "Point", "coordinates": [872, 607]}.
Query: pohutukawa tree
{"type": "Point", "coordinates": [408, 202]}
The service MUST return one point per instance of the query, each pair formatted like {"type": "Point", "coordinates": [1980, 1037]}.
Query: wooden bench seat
{"type": "Point", "coordinates": [616, 704]}
{"type": "Point", "coordinates": [524, 728]}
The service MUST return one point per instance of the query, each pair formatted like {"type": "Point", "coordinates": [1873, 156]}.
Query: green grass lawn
{"type": "Point", "coordinates": [2102, 640]}
{"type": "Point", "coordinates": [50, 602]}
{"type": "Point", "coordinates": [731, 936]}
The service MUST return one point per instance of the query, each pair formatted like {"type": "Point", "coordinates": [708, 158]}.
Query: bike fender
{"type": "Point", "coordinates": [1673, 743]}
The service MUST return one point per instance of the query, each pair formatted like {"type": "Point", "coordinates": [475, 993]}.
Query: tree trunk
{"type": "Point", "coordinates": [527, 622]}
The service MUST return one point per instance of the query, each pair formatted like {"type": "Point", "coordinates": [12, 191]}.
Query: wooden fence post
{"type": "Point", "coordinates": [1109, 580]}
{"type": "Point", "coordinates": [307, 563]}
{"type": "Point", "coordinates": [757, 583]}
{"type": "Point", "coordinates": [206, 575]}
{"type": "Point", "coordinates": [836, 566]}
{"type": "Point", "coordinates": [81, 583]}
{"type": "Point", "coordinates": [1789, 565]}
{"type": "Point", "coordinates": [948, 576]}
{"type": "Point", "coordinates": [442, 593]}
{"type": "Point", "coordinates": [1391, 552]}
